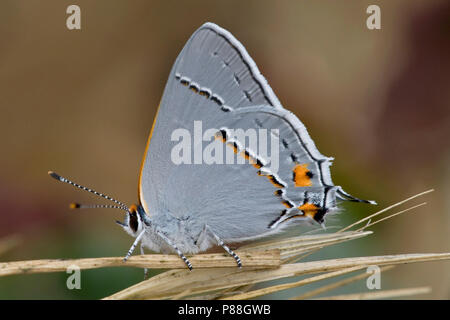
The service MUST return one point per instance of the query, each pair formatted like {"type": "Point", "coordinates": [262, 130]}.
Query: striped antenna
{"type": "Point", "coordinates": [74, 206]}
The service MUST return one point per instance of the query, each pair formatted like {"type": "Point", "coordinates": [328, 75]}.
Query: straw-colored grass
{"type": "Point", "coordinates": [173, 282]}
{"type": "Point", "coordinates": [338, 284]}
{"type": "Point", "coordinates": [267, 259]}
{"type": "Point", "coordinates": [381, 294]}
{"type": "Point", "coordinates": [215, 276]}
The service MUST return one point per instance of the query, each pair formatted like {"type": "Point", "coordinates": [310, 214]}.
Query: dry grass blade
{"type": "Point", "coordinates": [370, 224]}
{"type": "Point", "coordinates": [383, 294]}
{"type": "Point", "coordinates": [294, 246]}
{"type": "Point", "coordinates": [337, 284]}
{"type": "Point", "coordinates": [266, 259]}
{"type": "Point", "coordinates": [276, 288]}
{"type": "Point", "coordinates": [385, 209]}
{"type": "Point", "coordinates": [171, 283]}
{"type": "Point", "coordinates": [298, 240]}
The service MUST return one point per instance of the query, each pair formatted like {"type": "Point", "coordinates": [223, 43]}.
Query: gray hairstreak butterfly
{"type": "Point", "coordinates": [193, 197]}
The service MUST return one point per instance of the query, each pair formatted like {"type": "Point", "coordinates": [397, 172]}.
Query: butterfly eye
{"type": "Point", "coordinates": [133, 223]}
{"type": "Point", "coordinates": [133, 220]}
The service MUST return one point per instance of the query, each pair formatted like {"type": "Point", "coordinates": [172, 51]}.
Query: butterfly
{"type": "Point", "coordinates": [192, 196]}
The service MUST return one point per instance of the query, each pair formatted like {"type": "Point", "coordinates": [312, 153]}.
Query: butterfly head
{"type": "Point", "coordinates": [135, 216]}
{"type": "Point", "coordinates": [133, 223]}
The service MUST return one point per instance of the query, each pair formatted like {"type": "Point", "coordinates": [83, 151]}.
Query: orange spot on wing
{"type": "Point", "coordinates": [257, 165]}
{"type": "Point", "coordinates": [250, 159]}
{"type": "Point", "coordinates": [234, 146]}
{"type": "Point", "coordinates": [309, 209]}
{"type": "Point", "coordinates": [302, 176]}
{"type": "Point", "coordinates": [245, 155]}
{"type": "Point", "coordinates": [286, 204]}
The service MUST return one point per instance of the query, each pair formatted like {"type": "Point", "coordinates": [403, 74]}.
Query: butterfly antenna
{"type": "Point", "coordinates": [75, 205]}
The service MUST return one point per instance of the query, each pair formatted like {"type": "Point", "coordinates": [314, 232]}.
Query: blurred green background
{"type": "Point", "coordinates": [82, 103]}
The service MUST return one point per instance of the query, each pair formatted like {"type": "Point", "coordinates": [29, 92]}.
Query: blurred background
{"type": "Point", "coordinates": [82, 103]}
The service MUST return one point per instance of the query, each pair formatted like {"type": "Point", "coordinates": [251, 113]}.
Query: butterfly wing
{"type": "Point", "coordinates": [214, 88]}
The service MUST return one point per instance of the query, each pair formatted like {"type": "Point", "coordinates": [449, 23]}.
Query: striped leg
{"type": "Point", "coordinates": [170, 243]}
{"type": "Point", "coordinates": [227, 249]}
{"type": "Point", "coordinates": [133, 246]}
{"type": "Point", "coordinates": [145, 269]}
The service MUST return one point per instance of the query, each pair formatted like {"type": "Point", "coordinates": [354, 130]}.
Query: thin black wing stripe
{"type": "Point", "coordinates": [269, 95]}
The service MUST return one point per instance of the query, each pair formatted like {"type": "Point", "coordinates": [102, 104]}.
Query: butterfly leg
{"type": "Point", "coordinates": [145, 269]}
{"type": "Point", "coordinates": [133, 246]}
{"type": "Point", "coordinates": [170, 243]}
{"type": "Point", "coordinates": [227, 249]}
